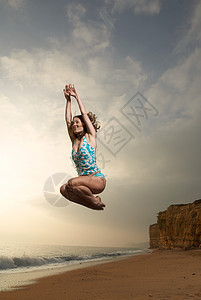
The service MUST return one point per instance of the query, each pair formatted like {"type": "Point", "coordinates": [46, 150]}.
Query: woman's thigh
{"type": "Point", "coordinates": [95, 184]}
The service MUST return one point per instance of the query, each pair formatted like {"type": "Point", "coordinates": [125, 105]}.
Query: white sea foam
{"type": "Point", "coordinates": [21, 257]}
{"type": "Point", "coordinates": [23, 264]}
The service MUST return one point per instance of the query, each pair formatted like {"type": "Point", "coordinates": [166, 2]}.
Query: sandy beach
{"type": "Point", "coordinates": [160, 275]}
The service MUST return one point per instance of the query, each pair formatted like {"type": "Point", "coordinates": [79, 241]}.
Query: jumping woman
{"type": "Point", "coordinates": [82, 132]}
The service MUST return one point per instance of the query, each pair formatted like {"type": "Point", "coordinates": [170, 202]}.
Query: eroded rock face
{"type": "Point", "coordinates": [177, 227]}
{"type": "Point", "coordinates": [154, 236]}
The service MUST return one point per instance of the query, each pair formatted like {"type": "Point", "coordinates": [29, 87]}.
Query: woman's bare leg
{"type": "Point", "coordinates": [80, 190]}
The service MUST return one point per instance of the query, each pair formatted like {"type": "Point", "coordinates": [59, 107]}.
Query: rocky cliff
{"type": "Point", "coordinates": [177, 227]}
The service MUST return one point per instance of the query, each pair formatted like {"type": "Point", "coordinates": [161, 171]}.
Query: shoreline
{"type": "Point", "coordinates": [163, 274]}
{"type": "Point", "coordinates": [10, 281]}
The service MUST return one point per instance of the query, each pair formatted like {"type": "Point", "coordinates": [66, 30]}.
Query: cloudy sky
{"type": "Point", "coordinates": [137, 65]}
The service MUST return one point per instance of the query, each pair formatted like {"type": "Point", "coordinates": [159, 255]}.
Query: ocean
{"type": "Point", "coordinates": [16, 259]}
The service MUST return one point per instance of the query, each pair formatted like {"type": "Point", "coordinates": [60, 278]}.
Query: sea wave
{"type": "Point", "coordinates": [10, 263]}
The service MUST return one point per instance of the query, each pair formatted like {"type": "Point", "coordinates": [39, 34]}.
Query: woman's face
{"type": "Point", "coordinates": [77, 125]}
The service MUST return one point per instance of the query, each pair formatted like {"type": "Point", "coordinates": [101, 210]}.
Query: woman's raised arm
{"type": "Point", "coordinates": [90, 128]}
{"type": "Point", "coordinates": [68, 114]}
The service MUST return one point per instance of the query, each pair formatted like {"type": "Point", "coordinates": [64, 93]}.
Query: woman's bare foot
{"type": "Point", "coordinates": [98, 198]}
{"type": "Point", "coordinates": [98, 204]}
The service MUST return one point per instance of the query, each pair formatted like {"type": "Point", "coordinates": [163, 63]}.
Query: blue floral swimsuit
{"type": "Point", "coordinates": [85, 160]}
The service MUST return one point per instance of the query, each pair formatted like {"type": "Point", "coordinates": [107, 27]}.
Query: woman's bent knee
{"type": "Point", "coordinates": [70, 182]}
{"type": "Point", "coordinates": [63, 189]}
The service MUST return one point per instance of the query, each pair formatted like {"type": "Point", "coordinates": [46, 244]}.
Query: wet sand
{"type": "Point", "coordinates": [174, 275]}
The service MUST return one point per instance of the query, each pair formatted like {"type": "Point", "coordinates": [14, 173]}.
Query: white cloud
{"type": "Point", "coordinates": [107, 17]}
{"type": "Point", "coordinates": [14, 4]}
{"type": "Point", "coordinates": [174, 144]}
{"type": "Point", "coordinates": [75, 12]}
{"type": "Point", "coordinates": [92, 36]}
{"type": "Point", "coordinates": [6, 107]}
{"type": "Point", "coordinates": [97, 76]}
{"type": "Point", "coordinates": [191, 31]}
{"type": "Point", "coordinates": [177, 92]}
{"type": "Point", "coordinates": [35, 68]}
{"type": "Point", "coordinates": [147, 7]}
{"type": "Point", "coordinates": [131, 72]}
